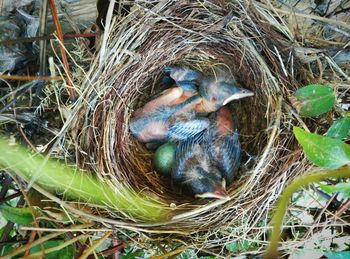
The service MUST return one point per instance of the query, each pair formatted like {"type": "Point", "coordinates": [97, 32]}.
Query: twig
{"type": "Point", "coordinates": [13, 241]}
{"type": "Point", "coordinates": [63, 52]}
{"type": "Point", "coordinates": [26, 139]}
{"type": "Point", "coordinates": [5, 185]}
{"type": "Point", "coordinates": [320, 215]}
{"type": "Point", "coordinates": [170, 254]}
{"type": "Point", "coordinates": [107, 31]}
{"type": "Point", "coordinates": [307, 16]}
{"type": "Point", "coordinates": [30, 78]}
{"type": "Point", "coordinates": [95, 244]}
{"type": "Point", "coordinates": [59, 247]}
{"type": "Point", "coordinates": [342, 208]}
{"type": "Point", "coordinates": [43, 43]}
{"type": "Point", "coordinates": [111, 250]}
{"type": "Point", "coordinates": [31, 240]}
{"type": "Point", "coordinates": [35, 243]}
{"type": "Point", "coordinates": [10, 197]}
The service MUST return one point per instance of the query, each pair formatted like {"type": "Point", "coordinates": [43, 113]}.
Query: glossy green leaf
{"type": "Point", "coordinates": [314, 100]}
{"type": "Point", "coordinates": [343, 188]}
{"type": "Point", "coordinates": [323, 151]}
{"type": "Point", "coordinates": [340, 128]}
{"type": "Point", "coordinates": [20, 216]}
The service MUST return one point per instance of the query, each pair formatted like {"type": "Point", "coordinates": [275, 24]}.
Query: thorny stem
{"type": "Point", "coordinates": [282, 204]}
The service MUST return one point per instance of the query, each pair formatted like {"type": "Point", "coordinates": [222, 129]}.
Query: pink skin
{"type": "Point", "coordinates": [225, 122]}
{"type": "Point", "coordinates": [221, 192]}
{"type": "Point", "coordinates": [170, 97]}
{"type": "Point", "coordinates": [156, 130]}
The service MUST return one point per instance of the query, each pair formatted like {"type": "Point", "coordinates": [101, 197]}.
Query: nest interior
{"type": "Point", "coordinates": [199, 35]}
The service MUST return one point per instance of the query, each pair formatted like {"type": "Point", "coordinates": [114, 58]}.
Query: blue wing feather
{"type": "Point", "coordinates": [181, 130]}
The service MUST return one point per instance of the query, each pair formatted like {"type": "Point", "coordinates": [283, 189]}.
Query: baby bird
{"type": "Point", "coordinates": [175, 114]}
{"type": "Point", "coordinates": [194, 172]}
{"type": "Point", "coordinates": [216, 92]}
{"type": "Point", "coordinates": [206, 164]}
{"type": "Point", "coordinates": [168, 117]}
{"type": "Point", "coordinates": [222, 143]}
{"type": "Point", "coordinates": [183, 77]}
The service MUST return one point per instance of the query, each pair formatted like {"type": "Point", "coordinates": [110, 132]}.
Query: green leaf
{"type": "Point", "coordinates": [343, 188]}
{"type": "Point", "coordinates": [340, 128]}
{"type": "Point", "coordinates": [240, 246]}
{"type": "Point", "coordinates": [323, 151]}
{"type": "Point", "coordinates": [20, 216]}
{"type": "Point", "coordinates": [7, 249]}
{"type": "Point", "coordinates": [313, 100]}
{"type": "Point", "coordinates": [337, 255]}
{"type": "Point", "coordinates": [137, 254]}
{"type": "Point", "coordinates": [64, 253]}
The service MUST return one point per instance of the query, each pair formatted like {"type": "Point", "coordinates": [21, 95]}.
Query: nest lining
{"type": "Point", "coordinates": [198, 35]}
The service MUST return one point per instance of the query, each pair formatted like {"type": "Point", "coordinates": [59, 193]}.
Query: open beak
{"type": "Point", "coordinates": [214, 195]}
{"type": "Point", "coordinates": [220, 193]}
{"type": "Point", "coordinates": [241, 94]}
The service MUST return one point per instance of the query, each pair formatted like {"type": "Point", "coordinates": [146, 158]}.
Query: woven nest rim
{"type": "Point", "coordinates": [138, 48]}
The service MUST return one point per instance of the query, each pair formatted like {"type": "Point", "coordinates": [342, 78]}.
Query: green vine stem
{"type": "Point", "coordinates": [80, 186]}
{"type": "Point", "coordinates": [282, 204]}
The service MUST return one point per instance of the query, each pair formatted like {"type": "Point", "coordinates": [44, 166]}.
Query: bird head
{"type": "Point", "coordinates": [218, 92]}
{"type": "Point", "coordinates": [208, 183]}
{"type": "Point", "coordinates": [215, 190]}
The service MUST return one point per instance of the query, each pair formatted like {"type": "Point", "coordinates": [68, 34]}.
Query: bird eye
{"type": "Point", "coordinates": [213, 99]}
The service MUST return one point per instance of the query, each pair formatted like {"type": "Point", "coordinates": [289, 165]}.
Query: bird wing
{"type": "Point", "coordinates": [231, 155]}
{"type": "Point", "coordinates": [181, 130]}
{"type": "Point", "coordinates": [153, 127]}
{"type": "Point", "coordinates": [185, 157]}
{"type": "Point", "coordinates": [187, 85]}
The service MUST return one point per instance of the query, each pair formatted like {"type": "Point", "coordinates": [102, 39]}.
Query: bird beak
{"type": "Point", "coordinates": [239, 95]}
{"type": "Point", "coordinates": [220, 194]}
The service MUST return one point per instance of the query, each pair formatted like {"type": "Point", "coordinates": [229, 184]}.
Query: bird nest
{"type": "Point", "coordinates": [201, 35]}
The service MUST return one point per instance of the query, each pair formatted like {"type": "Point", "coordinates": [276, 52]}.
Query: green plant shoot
{"type": "Point", "coordinates": [77, 185]}
{"type": "Point", "coordinates": [283, 201]}
{"type": "Point", "coordinates": [322, 151]}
